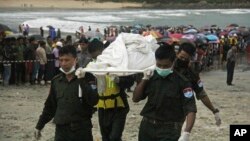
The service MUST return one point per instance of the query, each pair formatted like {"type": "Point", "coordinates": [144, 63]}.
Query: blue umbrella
{"type": "Point", "coordinates": [212, 37]}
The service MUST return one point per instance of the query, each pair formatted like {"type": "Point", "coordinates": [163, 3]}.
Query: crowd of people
{"type": "Point", "coordinates": [169, 87]}
{"type": "Point", "coordinates": [26, 59]}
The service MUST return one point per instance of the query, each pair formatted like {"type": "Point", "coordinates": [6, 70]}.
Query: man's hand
{"type": "Point", "coordinates": [80, 73]}
{"type": "Point", "coordinates": [147, 74]}
{"type": "Point", "coordinates": [184, 136]}
{"type": "Point", "coordinates": [37, 134]}
{"type": "Point", "coordinates": [217, 119]}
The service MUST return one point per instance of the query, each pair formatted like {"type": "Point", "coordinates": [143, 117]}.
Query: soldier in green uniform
{"type": "Point", "coordinates": [184, 55]}
{"type": "Point", "coordinates": [170, 100]}
{"type": "Point", "coordinates": [70, 102]}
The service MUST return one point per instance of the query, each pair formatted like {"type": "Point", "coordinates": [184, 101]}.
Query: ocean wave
{"type": "Point", "coordinates": [236, 11]}
{"type": "Point", "coordinates": [99, 18]}
{"type": "Point", "coordinates": [146, 16]}
{"type": "Point", "coordinates": [174, 14]}
{"type": "Point", "coordinates": [65, 26]}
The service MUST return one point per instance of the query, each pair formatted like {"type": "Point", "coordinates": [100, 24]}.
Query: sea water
{"type": "Point", "coordinates": [71, 20]}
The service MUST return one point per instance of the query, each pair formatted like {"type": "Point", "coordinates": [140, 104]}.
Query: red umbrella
{"type": "Point", "coordinates": [176, 35]}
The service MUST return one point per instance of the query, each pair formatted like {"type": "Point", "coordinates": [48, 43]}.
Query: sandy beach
{"type": "Point", "coordinates": [21, 106]}
{"type": "Point", "coordinates": [65, 4]}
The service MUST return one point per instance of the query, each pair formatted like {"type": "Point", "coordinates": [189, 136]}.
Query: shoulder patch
{"type": "Point", "coordinates": [188, 92]}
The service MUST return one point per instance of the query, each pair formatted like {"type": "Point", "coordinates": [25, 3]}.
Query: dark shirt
{"type": "Point", "coordinates": [8, 53]}
{"type": "Point", "coordinates": [30, 53]}
{"type": "Point", "coordinates": [64, 103]}
{"type": "Point", "coordinates": [169, 99]}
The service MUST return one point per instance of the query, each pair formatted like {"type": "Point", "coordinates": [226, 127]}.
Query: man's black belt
{"type": "Point", "coordinates": [154, 121]}
{"type": "Point", "coordinates": [112, 96]}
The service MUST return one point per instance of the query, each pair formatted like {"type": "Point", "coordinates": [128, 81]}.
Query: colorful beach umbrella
{"type": "Point", "coordinates": [212, 37]}
{"type": "Point", "coordinates": [176, 35]}
{"type": "Point", "coordinates": [190, 37]}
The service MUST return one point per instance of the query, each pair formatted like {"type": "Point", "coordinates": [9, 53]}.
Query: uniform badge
{"type": "Point", "coordinates": [188, 92]}
{"type": "Point", "coordinates": [200, 83]}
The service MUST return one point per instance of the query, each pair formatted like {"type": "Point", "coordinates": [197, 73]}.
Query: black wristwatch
{"type": "Point", "coordinates": [216, 111]}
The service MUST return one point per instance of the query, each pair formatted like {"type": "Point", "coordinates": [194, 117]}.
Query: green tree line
{"type": "Point", "coordinates": [179, 1]}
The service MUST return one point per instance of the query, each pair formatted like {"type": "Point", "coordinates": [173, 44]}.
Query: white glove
{"type": "Point", "coordinates": [147, 74]}
{"type": "Point", "coordinates": [184, 136]}
{"type": "Point", "coordinates": [37, 134]}
{"type": "Point", "coordinates": [80, 73]}
{"type": "Point", "coordinates": [217, 119]}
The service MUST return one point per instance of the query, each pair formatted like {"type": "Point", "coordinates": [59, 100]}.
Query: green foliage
{"type": "Point", "coordinates": [177, 1]}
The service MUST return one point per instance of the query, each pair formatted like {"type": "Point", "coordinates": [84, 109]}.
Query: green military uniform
{"type": "Point", "coordinates": [195, 80]}
{"type": "Point", "coordinates": [72, 113]}
{"type": "Point", "coordinates": [170, 99]}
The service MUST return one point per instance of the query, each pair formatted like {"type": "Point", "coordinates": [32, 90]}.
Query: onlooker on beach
{"type": "Point", "coordinates": [56, 57]}
{"type": "Point", "coordinates": [30, 58]}
{"type": "Point", "coordinates": [41, 31]}
{"type": "Point", "coordinates": [68, 40]}
{"type": "Point", "coordinates": [58, 33]}
{"type": "Point", "coordinates": [49, 67]}
{"type": "Point", "coordinates": [20, 65]}
{"type": "Point", "coordinates": [82, 53]}
{"type": "Point", "coordinates": [231, 59]}
{"type": "Point", "coordinates": [8, 57]}
{"type": "Point", "coordinates": [42, 59]}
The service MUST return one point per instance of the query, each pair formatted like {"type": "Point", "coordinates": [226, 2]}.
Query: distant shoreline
{"type": "Point", "coordinates": [82, 5]}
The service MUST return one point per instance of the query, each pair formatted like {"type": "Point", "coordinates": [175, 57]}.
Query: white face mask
{"type": "Point", "coordinates": [73, 68]}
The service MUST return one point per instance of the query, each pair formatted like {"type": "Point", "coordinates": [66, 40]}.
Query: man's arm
{"type": "Point", "coordinates": [48, 110]}
{"type": "Point", "coordinates": [190, 119]}
{"type": "Point", "coordinates": [139, 89]}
